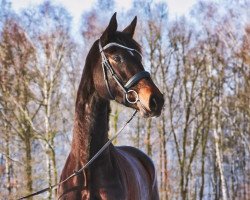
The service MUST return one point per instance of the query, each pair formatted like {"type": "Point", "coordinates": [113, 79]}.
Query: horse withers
{"type": "Point", "coordinates": [113, 71]}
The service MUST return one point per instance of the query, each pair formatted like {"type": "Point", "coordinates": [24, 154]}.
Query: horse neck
{"type": "Point", "coordinates": [91, 122]}
{"type": "Point", "coordinates": [90, 127]}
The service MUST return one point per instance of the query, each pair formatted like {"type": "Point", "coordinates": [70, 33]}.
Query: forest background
{"type": "Point", "coordinates": [201, 61]}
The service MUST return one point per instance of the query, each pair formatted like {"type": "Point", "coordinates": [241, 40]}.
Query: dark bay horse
{"type": "Point", "coordinates": [113, 71]}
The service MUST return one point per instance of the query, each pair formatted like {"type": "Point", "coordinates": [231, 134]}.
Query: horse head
{"type": "Point", "coordinates": [119, 73]}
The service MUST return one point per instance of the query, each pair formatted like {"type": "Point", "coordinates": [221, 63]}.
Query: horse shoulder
{"type": "Point", "coordinates": [148, 166]}
{"type": "Point", "coordinates": [71, 189]}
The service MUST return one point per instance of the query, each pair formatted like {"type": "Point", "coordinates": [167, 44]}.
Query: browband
{"type": "Point", "coordinates": [118, 45]}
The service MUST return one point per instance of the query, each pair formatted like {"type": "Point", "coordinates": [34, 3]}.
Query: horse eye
{"type": "Point", "coordinates": [117, 58]}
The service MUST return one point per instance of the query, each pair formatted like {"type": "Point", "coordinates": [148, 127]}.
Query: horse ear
{"type": "Point", "coordinates": [110, 30]}
{"type": "Point", "coordinates": [130, 29]}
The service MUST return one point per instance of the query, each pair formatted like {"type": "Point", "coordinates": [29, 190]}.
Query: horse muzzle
{"type": "Point", "coordinates": [150, 102]}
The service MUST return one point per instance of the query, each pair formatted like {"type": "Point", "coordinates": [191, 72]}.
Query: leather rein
{"type": "Point", "coordinates": [106, 66]}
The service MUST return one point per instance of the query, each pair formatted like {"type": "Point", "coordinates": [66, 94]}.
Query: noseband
{"type": "Point", "coordinates": [106, 66]}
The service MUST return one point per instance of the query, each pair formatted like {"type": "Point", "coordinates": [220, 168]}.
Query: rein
{"type": "Point", "coordinates": [76, 173]}
{"type": "Point", "coordinates": [125, 88]}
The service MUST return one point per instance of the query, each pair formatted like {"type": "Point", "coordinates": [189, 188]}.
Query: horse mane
{"type": "Point", "coordinates": [86, 89]}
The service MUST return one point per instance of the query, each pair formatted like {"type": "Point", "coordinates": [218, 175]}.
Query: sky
{"type": "Point", "coordinates": [77, 7]}
{"type": "Point", "coordinates": [176, 7]}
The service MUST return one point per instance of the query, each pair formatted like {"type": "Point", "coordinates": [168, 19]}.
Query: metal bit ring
{"type": "Point", "coordinates": [135, 94]}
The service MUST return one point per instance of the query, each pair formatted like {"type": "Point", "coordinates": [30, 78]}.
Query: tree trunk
{"type": "Point", "coordinates": [115, 122]}
{"type": "Point", "coordinates": [54, 168]}
{"type": "Point", "coordinates": [49, 171]}
{"type": "Point", "coordinates": [8, 163]}
{"type": "Point", "coordinates": [138, 129]}
{"type": "Point", "coordinates": [47, 94]}
{"type": "Point", "coordinates": [216, 131]}
{"type": "Point", "coordinates": [28, 165]}
{"type": "Point", "coordinates": [163, 159]}
{"type": "Point", "coordinates": [203, 156]}
{"type": "Point", "coordinates": [148, 138]}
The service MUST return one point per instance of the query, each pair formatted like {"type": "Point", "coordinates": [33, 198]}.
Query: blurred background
{"type": "Point", "coordinates": [198, 53]}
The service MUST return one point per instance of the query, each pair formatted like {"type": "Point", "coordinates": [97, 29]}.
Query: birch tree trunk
{"type": "Point", "coordinates": [217, 130]}
{"type": "Point", "coordinates": [47, 97]}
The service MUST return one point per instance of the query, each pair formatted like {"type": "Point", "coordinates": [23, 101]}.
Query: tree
{"type": "Point", "coordinates": [16, 54]}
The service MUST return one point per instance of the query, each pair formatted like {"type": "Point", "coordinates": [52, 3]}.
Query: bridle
{"type": "Point", "coordinates": [106, 66]}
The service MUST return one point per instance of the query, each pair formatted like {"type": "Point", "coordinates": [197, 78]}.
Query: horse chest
{"type": "Point", "coordinates": [105, 193]}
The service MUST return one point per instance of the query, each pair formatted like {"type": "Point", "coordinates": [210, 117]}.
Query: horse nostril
{"type": "Point", "coordinates": [153, 103]}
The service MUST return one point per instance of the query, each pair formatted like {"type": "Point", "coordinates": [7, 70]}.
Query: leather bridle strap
{"type": "Point", "coordinates": [104, 69]}
{"type": "Point", "coordinates": [121, 46]}
{"type": "Point", "coordinates": [107, 66]}
{"type": "Point", "coordinates": [134, 79]}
